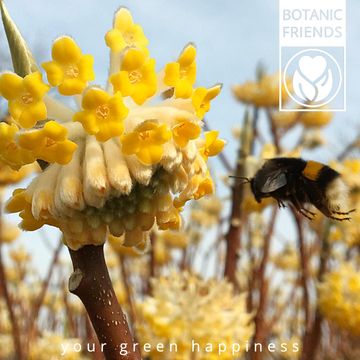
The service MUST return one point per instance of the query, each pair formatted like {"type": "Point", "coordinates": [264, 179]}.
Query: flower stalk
{"type": "Point", "coordinates": [91, 282]}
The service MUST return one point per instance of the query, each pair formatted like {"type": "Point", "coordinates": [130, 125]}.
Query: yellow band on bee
{"type": "Point", "coordinates": [312, 170]}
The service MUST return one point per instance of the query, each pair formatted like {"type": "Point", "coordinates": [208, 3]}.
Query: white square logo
{"type": "Point", "coordinates": [312, 38]}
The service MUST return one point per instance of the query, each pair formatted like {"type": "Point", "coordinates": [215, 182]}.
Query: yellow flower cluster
{"type": "Point", "coordinates": [349, 232]}
{"type": "Point", "coordinates": [339, 298]}
{"type": "Point", "coordinates": [262, 93]}
{"type": "Point", "coordinates": [287, 259]}
{"type": "Point", "coordinates": [127, 159]}
{"type": "Point", "coordinates": [184, 307]}
{"type": "Point", "coordinates": [51, 345]}
{"type": "Point", "coordinates": [309, 119]}
{"type": "Point", "coordinates": [9, 232]}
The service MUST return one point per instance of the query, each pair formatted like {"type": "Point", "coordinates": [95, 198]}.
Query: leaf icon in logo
{"type": "Point", "coordinates": [313, 79]}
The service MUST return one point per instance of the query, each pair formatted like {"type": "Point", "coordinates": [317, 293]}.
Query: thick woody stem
{"type": "Point", "coordinates": [91, 282]}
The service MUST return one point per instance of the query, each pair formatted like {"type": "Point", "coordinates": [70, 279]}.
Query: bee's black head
{"type": "Point", "coordinates": [256, 192]}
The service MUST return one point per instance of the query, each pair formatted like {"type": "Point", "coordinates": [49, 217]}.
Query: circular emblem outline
{"type": "Point", "coordinates": [338, 69]}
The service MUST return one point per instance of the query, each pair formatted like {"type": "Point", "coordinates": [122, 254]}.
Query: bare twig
{"type": "Point", "coordinates": [232, 237]}
{"type": "Point", "coordinates": [8, 301]}
{"type": "Point", "coordinates": [39, 301]}
{"type": "Point", "coordinates": [260, 322]}
{"type": "Point", "coordinates": [130, 296]}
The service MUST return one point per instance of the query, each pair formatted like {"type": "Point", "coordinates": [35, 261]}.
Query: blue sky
{"type": "Point", "coordinates": [231, 38]}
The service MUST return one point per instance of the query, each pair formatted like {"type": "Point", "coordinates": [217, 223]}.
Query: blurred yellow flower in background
{"type": "Point", "coordinates": [315, 118]}
{"type": "Point", "coordinates": [185, 307]}
{"type": "Point", "coordinates": [264, 92]}
{"type": "Point", "coordinates": [339, 298]}
{"type": "Point", "coordinates": [9, 232]}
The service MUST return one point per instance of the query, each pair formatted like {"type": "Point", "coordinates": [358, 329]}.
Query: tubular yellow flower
{"type": "Point", "coordinates": [10, 153]}
{"type": "Point", "coordinates": [49, 143]}
{"type": "Point", "coordinates": [137, 77]}
{"type": "Point", "coordinates": [25, 96]}
{"type": "Point", "coordinates": [198, 187]}
{"type": "Point", "coordinates": [182, 74]}
{"type": "Point", "coordinates": [9, 176]}
{"type": "Point", "coordinates": [185, 131]}
{"type": "Point", "coordinates": [103, 114]}
{"type": "Point", "coordinates": [205, 187]}
{"type": "Point", "coordinates": [146, 141]}
{"type": "Point", "coordinates": [212, 145]}
{"type": "Point", "coordinates": [21, 203]}
{"type": "Point", "coordinates": [70, 70]}
{"type": "Point", "coordinates": [202, 97]}
{"type": "Point", "coordinates": [125, 33]}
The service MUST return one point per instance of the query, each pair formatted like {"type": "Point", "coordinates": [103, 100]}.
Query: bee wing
{"type": "Point", "coordinates": [275, 181]}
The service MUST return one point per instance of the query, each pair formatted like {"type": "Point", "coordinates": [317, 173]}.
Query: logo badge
{"type": "Point", "coordinates": [316, 78]}
{"type": "Point", "coordinates": [312, 54]}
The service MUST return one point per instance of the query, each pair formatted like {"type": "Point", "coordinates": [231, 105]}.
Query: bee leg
{"type": "Point", "coordinates": [280, 204]}
{"type": "Point", "coordinates": [309, 212]}
{"type": "Point", "coordinates": [343, 213]}
{"type": "Point", "coordinates": [299, 207]}
{"type": "Point", "coordinates": [338, 218]}
{"type": "Point", "coordinates": [304, 213]}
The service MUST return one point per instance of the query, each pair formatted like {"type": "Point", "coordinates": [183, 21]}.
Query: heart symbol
{"type": "Point", "coordinates": [312, 67]}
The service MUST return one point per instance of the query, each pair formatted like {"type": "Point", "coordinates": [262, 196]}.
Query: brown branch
{"type": "Point", "coordinates": [69, 315]}
{"type": "Point", "coordinates": [91, 282]}
{"type": "Point", "coordinates": [304, 279]}
{"type": "Point", "coordinates": [152, 263]}
{"type": "Point", "coordinates": [280, 310]}
{"type": "Point", "coordinates": [314, 337]}
{"type": "Point", "coordinates": [39, 301]}
{"type": "Point", "coordinates": [126, 281]}
{"type": "Point", "coordinates": [274, 131]}
{"type": "Point", "coordinates": [260, 323]}
{"type": "Point", "coordinates": [15, 329]}
{"type": "Point", "coordinates": [232, 237]}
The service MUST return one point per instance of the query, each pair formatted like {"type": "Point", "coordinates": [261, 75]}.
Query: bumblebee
{"type": "Point", "coordinates": [301, 182]}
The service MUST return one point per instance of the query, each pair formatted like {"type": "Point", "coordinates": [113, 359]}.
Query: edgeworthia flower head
{"type": "Point", "coordinates": [127, 158]}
